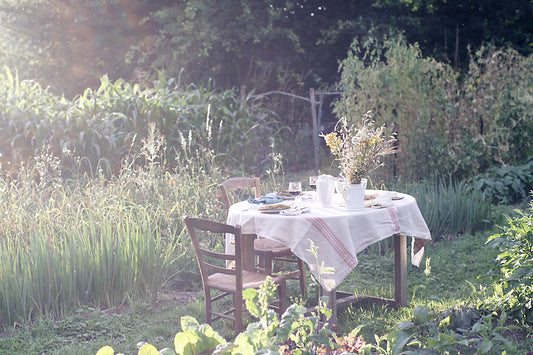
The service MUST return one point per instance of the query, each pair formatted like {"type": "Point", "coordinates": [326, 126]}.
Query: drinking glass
{"type": "Point", "coordinates": [312, 182]}
{"type": "Point", "coordinates": [295, 188]}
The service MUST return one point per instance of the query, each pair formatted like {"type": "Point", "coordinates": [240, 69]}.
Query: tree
{"type": "Point", "coordinates": [266, 44]}
{"type": "Point", "coordinates": [69, 44]}
{"type": "Point", "coordinates": [447, 30]}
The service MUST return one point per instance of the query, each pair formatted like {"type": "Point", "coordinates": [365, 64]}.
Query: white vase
{"type": "Point", "coordinates": [325, 189]}
{"type": "Point", "coordinates": [354, 195]}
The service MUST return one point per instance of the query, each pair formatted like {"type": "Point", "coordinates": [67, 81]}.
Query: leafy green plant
{"type": "Point", "coordinates": [515, 262]}
{"type": "Point", "coordinates": [505, 185]}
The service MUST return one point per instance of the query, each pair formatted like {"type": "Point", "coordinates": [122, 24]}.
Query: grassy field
{"type": "Point", "coordinates": [453, 285]}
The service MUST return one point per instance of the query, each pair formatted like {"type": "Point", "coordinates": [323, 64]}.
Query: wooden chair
{"type": "Point", "coordinates": [231, 281]}
{"type": "Point", "coordinates": [266, 250]}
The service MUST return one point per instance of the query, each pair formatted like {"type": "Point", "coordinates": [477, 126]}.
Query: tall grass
{"type": "Point", "coordinates": [450, 208]}
{"type": "Point", "coordinates": [99, 242]}
{"type": "Point", "coordinates": [96, 261]}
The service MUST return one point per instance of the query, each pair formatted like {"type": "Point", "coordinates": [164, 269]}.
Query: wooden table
{"type": "Point", "coordinates": [339, 235]}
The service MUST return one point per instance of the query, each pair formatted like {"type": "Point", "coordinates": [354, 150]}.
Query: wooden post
{"type": "Point", "coordinates": [400, 270]}
{"type": "Point", "coordinates": [315, 126]}
{"type": "Point", "coordinates": [243, 95]}
{"type": "Point", "coordinates": [332, 304]}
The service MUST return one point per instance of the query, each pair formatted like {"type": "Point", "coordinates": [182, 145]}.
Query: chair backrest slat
{"type": "Point", "coordinates": [199, 224]}
{"type": "Point", "coordinates": [216, 255]}
{"type": "Point", "coordinates": [239, 183]}
{"type": "Point", "coordinates": [220, 269]}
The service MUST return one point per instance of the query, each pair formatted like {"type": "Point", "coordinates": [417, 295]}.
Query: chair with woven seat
{"type": "Point", "coordinates": [230, 281]}
{"type": "Point", "coordinates": [266, 250]}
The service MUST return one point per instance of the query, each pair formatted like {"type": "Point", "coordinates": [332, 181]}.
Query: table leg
{"type": "Point", "coordinates": [400, 269]}
{"type": "Point", "coordinates": [332, 304]}
{"type": "Point", "coordinates": [247, 251]}
{"type": "Point", "coordinates": [339, 298]}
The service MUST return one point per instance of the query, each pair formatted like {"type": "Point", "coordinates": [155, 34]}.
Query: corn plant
{"type": "Point", "coordinates": [104, 126]}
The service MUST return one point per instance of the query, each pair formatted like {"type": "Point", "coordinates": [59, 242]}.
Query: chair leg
{"type": "Point", "coordinates": [303, 286]}
{"type": "Point", "coordinates": [238, 304]}
{"type": "Point", "coordinates": [207, 297]}
{"type": "Point", "coordinates": [261, 262]}
{"type": "Point", "coordinates": [282, 295]}
{"type": "Point", "coordinates": [268, 260]}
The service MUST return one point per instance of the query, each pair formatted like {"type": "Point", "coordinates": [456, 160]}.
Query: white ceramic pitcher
{"type": "Point", "coordinates": [325, 189]}
{"type": "Point", "coordinates": [354, 195]}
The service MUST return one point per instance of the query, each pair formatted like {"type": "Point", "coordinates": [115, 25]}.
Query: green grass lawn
{"type": "Point", "coordinates": [452, 284]}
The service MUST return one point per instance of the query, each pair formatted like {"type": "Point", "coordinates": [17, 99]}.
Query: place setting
{"type": "Point", "coordinates": [287, 202]}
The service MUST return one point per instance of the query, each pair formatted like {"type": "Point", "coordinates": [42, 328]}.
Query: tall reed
{"type": "Point", "coordinates": [99, 242]}
{"type": "Point", "coordinates": [450, 208]}
{"type": "Point", "coordinates": [99, 258]}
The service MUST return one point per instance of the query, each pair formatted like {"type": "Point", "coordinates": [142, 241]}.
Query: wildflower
{"type": "Point", "coordinates": [427, 271]}
{"type": "Point", "coordinates": [333, 142]}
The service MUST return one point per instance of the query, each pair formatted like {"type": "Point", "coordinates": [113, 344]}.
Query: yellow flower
{"type": "Point", "coordinates": [333, 142]}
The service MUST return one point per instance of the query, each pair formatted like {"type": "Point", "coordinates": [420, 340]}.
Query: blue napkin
{"type": "Point", "coordinates": [265, 200]}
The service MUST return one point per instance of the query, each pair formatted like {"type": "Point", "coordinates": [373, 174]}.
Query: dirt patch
{"type": "Point", "coordinates": [164, 298]}
{"type": "Point", "coordinates": [174, 297]}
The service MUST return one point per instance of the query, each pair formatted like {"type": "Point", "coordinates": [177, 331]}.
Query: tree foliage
{"type": "Point", "coordinates": [69, 44]}
{"type": "Point", "coordinates": [266, 44]}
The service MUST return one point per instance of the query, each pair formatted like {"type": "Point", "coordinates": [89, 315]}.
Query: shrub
{"type": "Point", "coordinates": [411, 94]}
{"type": "Point", "coordinates": [515, 262]}
{"type": "Point", "coordinates": [508, 184]}
{"type": "Point", "coordinates": [498, 104]}
{"type": "Point", "coordinates": [445, 124]}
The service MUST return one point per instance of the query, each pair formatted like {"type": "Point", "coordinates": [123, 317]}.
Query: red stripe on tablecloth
{"type": "Point", "coordinates": [394, 217]}
{"type": "Point", "coordinates": [324, 229]}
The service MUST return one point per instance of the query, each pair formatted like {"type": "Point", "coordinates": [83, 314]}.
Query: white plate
{"type": "Point", "coordinates": [271, 211]}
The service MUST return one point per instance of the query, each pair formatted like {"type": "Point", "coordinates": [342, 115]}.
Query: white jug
{"type": "Point", "coordinates": [325, 189]}
{"type": "Point", "coordinates": [354, 195]}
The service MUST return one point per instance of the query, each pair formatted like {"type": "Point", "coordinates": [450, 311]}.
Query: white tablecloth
{"type": "Point", "coordinates": [337, 233]}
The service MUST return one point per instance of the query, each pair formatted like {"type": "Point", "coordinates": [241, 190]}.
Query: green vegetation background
{"type": "Point", "coordinates": [94, 182]}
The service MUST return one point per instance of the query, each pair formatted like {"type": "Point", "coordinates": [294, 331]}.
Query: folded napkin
{"type": "Point", "coordinates": [293, 211]}
{"type": "Point", "coordinates": [265, 200]}
{"type": "Point", "coordinates": [382, 200]}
